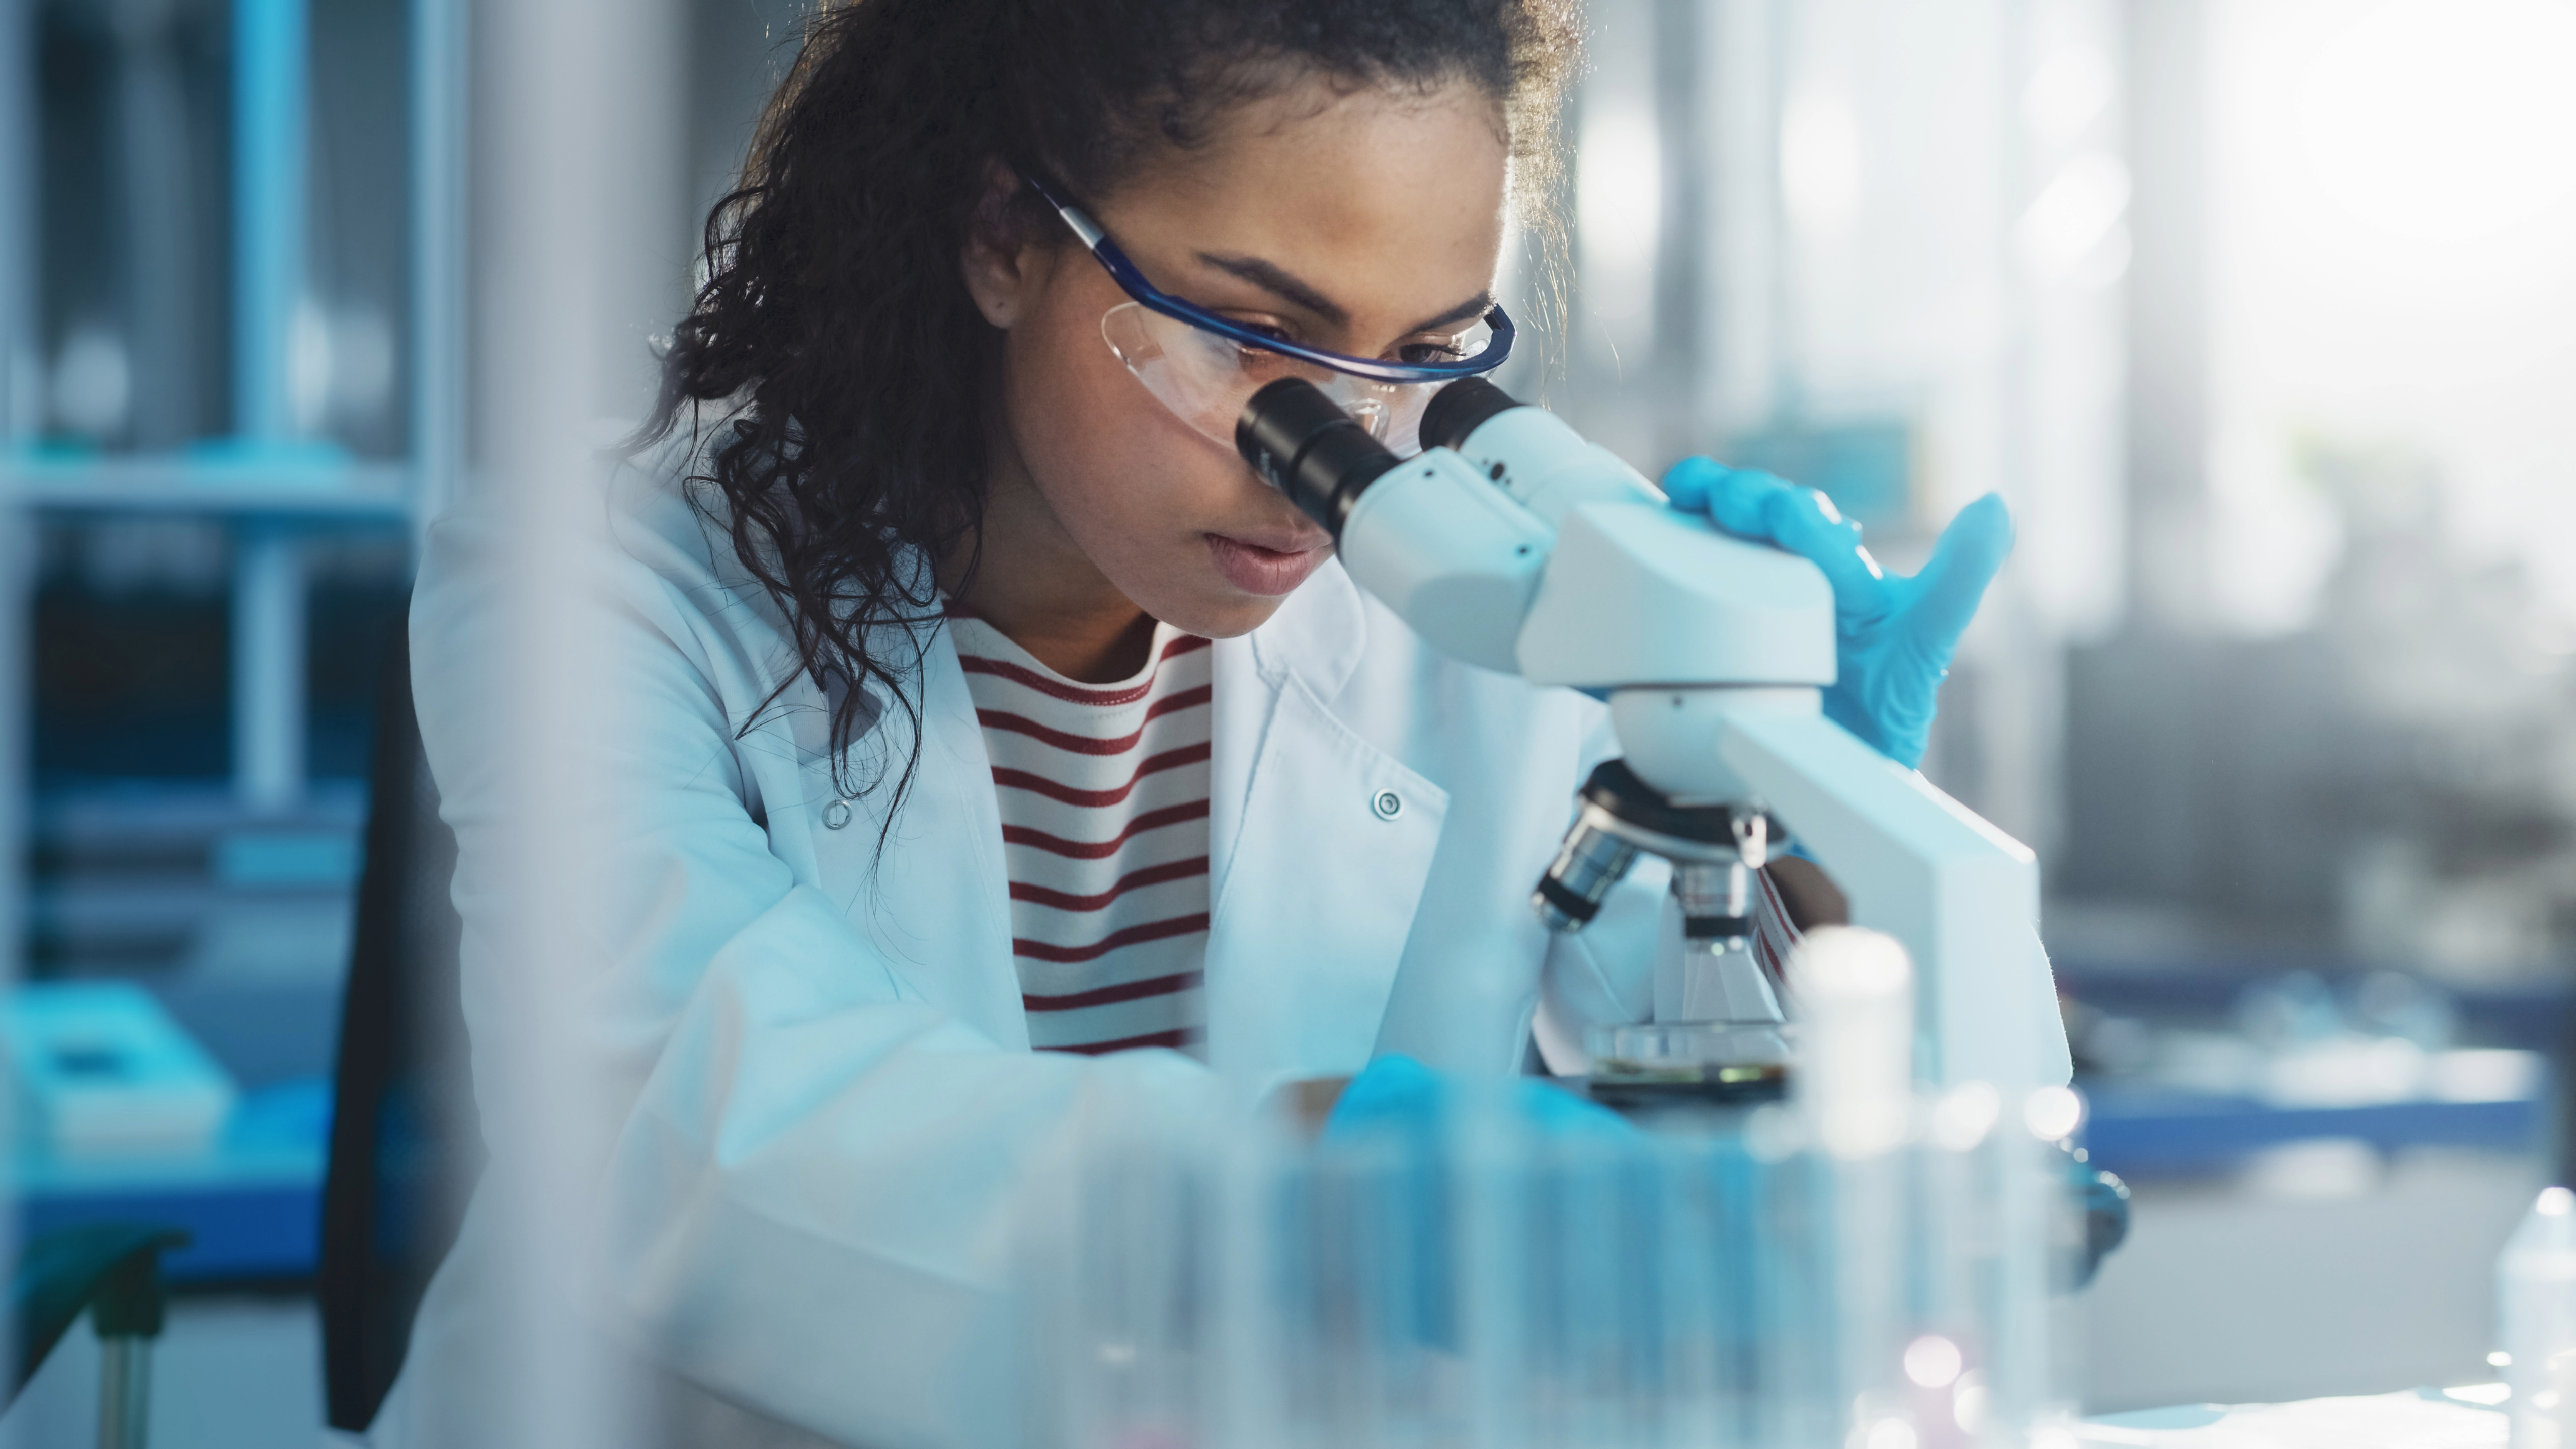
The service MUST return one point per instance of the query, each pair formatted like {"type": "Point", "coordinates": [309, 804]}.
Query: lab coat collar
{"type": "Point", "coordinates": [1333, 838]}
{"type": "Point", "coordinates": [1316, 640]}
{"type": "Point", "coordinates": [1317, 636]}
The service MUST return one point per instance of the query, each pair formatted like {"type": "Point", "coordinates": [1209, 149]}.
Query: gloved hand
{"type": "Point", "coordinates": [2105, 1199]}
{"type": "Point", "coordinates": [1894, 635]}
{"type": "Point", "coordinates": [1400, 1094]}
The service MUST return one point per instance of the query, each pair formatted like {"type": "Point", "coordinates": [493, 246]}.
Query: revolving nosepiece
{"type": "Point", "coordinates": [1714, 847]}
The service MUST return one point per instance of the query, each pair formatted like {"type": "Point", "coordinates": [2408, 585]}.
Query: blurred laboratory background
{"type": "Point", "coordinates": [2262, 313]}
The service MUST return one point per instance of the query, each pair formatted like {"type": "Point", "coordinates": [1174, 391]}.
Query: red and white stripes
{"type": "Point", "coordinates": [1104, 801]}
{"type": "Point", "coordinates": [1775, 935]}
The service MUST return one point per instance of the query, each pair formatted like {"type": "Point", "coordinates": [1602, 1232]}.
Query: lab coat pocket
{"type": "Point", "coordinates": [1335, 847]}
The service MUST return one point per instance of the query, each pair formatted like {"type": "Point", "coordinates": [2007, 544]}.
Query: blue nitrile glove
{"type": "Point", "coordinates": [1893, 635]}
{"type": "Point", "coordinates": [1400, 1094]}
{"type": "Point", "coordinates": [2105, 1200]}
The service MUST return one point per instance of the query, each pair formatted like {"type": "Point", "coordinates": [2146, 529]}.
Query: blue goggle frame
{"type": "Point", "coordinates": [1133, 283]}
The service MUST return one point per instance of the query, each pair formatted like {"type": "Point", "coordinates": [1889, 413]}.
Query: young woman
{"type": "Point", "coordinates": [994, 751]}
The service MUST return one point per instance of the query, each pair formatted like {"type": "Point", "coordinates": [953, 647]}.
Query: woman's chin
{"type": "Point", "coordinates": [1213, 608]}
{"type": "Point", "coordinates": [1225, 619]}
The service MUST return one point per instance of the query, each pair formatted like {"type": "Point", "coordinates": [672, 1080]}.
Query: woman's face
{"type": "Point", "coordinates": [1346, 221]}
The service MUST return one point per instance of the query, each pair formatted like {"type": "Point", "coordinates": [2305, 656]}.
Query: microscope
{"type": "Point", "coordinates": [1513, 544]}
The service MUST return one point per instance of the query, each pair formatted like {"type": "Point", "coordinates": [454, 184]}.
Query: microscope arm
{"type": "Point", "coordinates": [1738, 637]}
{"type": "Point", "coordinates": [1961, 896]}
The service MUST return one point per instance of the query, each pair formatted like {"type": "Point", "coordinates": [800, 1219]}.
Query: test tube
{"type": "Point", "coordinates": [1863, 1267]}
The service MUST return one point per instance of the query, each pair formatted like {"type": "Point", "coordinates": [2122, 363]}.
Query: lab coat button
{"type": "Point", "coordinates": [836, 814]}
{"type": "Point", "coordinates": [1387, 804]}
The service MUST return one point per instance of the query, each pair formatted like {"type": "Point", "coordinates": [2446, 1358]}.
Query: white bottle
{"type": "Point", "coordinates": [2536, 1310]}
{"type": "Point", "coordinates": [1856, 1069]}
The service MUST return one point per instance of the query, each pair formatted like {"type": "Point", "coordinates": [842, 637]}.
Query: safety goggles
{"type": "Point", "coordinates": [1205, 367]}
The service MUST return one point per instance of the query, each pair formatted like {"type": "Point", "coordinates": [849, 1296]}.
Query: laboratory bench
{"type": "Point", "coordinates": [2425, 1418]}
{"type": "Point", "coordinates": [253, 1201]}
{"type": "Point", "coordinates": [2197, 1097]}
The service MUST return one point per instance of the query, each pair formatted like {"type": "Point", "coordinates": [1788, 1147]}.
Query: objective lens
{"type": "Point", "coordinates": [1305, 446]}
{"type": "Point", "coordinates": [1716, 900]}
{"type": "Point", "coordinates": [1587, 866]}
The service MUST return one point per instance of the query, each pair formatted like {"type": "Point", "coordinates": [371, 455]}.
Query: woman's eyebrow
{"type": "Point", "coordinates": [1271, 278]}
{"type": "Point", "coordinates": [1467, 311]}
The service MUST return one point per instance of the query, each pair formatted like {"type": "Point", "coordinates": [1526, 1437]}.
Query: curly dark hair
{"type": "Point", "coordinates": [834, 326]}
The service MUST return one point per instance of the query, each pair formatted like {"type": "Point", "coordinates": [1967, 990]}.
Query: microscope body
{"type": "Point", "coordinates": [1514, 544]}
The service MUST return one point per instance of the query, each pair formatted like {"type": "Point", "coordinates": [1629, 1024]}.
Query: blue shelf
{"type": "Point", "coordinates": [2153, 1132]}
{"type": "Point", "coordinates": [254, 1205]}
{"type": "Point", "coordinates": [241, 1231]}
{"type": "Point", "coordinates": [295, 486]}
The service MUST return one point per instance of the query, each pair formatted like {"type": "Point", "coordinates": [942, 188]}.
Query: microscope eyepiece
{"type": "Point", "coordinates": [1305, 446]}
{"type": "Point", "coordinates": [1460, 409]}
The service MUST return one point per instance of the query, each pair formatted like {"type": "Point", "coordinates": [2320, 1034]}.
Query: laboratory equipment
{"type": "Point", "coordinates": [2536, 1301]}
{"type": "Point", "coordinates": [1866, 1263]}
{"type": "Point", "coordinates": [1514, 544]}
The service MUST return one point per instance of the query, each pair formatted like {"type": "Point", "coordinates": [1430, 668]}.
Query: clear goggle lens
{"type": "Point", "coordinates": [1206, 379]}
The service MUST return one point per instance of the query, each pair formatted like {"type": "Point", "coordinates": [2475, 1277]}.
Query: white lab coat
{"type": "Point", "coordinates": [835, 1117]}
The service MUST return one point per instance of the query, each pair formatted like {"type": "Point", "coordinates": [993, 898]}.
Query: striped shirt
{"type": "Point", "coordinates": [1104, 801]}
{"type": "Point", "coordinates": [1775, 935]}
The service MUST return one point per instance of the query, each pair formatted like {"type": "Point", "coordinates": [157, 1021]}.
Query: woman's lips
{"type": "Point", "coordinates": [1258, 570]}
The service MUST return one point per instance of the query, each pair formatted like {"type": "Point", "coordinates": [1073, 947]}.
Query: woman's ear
{"type": "Point", "coordinates": [995, 259]}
